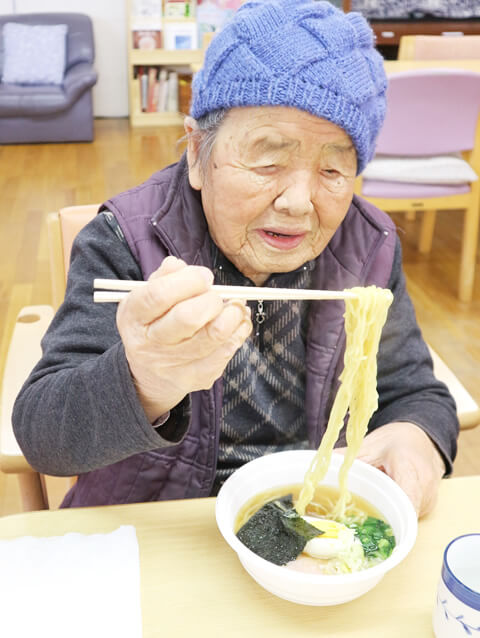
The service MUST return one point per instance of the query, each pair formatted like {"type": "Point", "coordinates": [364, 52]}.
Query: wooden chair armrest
{"type": "Point", "coordinates": [470, 420]}
{"type": "Point", "coordinates": [468, 410]}
{"type": "Point", "coordinates": [24, 351]}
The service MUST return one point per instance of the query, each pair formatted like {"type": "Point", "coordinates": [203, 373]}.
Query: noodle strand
{"type": "Point", "coordinates": [365, 315]}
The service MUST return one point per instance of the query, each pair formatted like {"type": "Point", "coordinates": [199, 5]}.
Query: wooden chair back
{"type": "Point", "coordinates": [24, 349]}
{"type": "Point", "coordinates": [439, 47]}
{"type": "Point", "coordinates": [62, 228]}
{"type": "Point", "coordinates": [433, 112]}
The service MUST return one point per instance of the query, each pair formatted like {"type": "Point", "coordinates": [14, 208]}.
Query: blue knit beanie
{"type": "Point", "coordinates": [299, 53]}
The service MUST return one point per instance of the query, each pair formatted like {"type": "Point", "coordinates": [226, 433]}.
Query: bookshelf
{"type": "Point", "coordinates": [140, 60]}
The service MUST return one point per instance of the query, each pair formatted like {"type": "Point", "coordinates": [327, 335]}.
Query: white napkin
{"type": "Point", "coordinates": [74, 586]}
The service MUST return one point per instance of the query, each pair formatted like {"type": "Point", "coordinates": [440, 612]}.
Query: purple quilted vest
{"type": "Point", "coordinates": [164, 217]}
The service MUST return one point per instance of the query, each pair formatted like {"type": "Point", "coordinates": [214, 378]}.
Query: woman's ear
{"type": "Point", "coordinates": [193, 144]}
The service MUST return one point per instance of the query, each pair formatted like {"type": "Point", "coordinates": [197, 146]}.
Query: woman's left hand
{"type": "Point", "coordinates": [407, 454]}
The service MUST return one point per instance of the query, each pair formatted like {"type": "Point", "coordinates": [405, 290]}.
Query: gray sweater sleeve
{"type": "Point", "coordinates": [79, 410]}
{"type": "Point", "coordinates": [407, 388]}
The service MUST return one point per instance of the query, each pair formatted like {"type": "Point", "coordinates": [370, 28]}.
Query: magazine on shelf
{"type": "Point", "coordinates": [147, 39]}
{"type": "Point", "coordinates": [180, 8]}
{"type": "Point", "coordinates": [213, 14]}
{"type": "Point", "coordinates": [146, 15]}
{"type": "Point", "coordinates": [180, 35]}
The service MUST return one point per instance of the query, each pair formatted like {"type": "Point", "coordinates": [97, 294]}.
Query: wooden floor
{"type": "Point", "coordinates": [37, 179]}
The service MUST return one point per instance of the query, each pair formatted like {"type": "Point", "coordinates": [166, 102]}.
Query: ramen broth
{"type": "Point", "coordinates": [322, 504]}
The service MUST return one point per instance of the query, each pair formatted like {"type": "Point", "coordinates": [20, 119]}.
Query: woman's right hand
{"type": "Point", "coordinates": [178, 334]}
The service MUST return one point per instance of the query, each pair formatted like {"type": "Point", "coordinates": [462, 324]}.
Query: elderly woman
{"type": "Point", "coordinates": [167, 395]}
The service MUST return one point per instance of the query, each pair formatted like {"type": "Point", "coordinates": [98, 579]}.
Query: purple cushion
{"type": "Point", "coordinates": [34, 54]}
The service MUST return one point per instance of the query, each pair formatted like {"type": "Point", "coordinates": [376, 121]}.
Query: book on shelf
{"type": "Point", "coordinates": [184, 92]}
{"type": "Point", "coordinates": [142, 75]}
{"type": "Point", "coordinates": [153, 88]}
{"type": "Point", "coordinates": [164, 89]}
{"type": "Point", "coordinates": [172, 99]}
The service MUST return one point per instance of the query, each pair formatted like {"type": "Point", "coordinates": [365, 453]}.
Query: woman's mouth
{"type": "Point", "coordinates": [282, 241]}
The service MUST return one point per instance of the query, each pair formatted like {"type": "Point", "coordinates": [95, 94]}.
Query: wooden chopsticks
{"type": "Point", "coordinates": [114, 290]}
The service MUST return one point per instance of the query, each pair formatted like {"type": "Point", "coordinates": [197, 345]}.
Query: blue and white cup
{"type": "Point", "coordinates": [457, 610]}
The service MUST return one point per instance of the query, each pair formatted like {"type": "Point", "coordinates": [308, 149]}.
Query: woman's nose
{"type": "Point", "coordinates": [296, 198]}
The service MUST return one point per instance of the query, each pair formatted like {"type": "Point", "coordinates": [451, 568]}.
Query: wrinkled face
{"type": "Point", "coordinates": [277, 185]}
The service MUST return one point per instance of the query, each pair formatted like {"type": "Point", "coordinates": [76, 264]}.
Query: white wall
{"type": "Point", "coordinates": [110, 94]}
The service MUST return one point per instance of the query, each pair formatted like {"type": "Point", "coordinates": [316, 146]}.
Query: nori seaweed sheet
{"type": "Point", "coordinates": [276, 532]}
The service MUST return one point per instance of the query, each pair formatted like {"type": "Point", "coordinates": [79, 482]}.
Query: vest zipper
{"type": "Point", "coordinates": [260, 317]}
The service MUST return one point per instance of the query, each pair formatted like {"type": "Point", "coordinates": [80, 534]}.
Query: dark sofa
{"type": "Point", "coordinates": [51, 113]}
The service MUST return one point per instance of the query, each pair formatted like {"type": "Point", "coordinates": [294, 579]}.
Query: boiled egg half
{"type": "Point", "coordinates": [337, 540]}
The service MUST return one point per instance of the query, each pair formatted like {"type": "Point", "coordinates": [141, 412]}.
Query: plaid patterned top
{"type": "Point", "coordinates": [263, 407]}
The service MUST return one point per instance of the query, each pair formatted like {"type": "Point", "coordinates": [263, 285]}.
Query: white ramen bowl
{"type": "Point", "coordinates": [286, 469]}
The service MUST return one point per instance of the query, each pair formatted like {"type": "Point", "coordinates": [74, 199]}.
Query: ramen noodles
{"type": "Point", "coordinates": [365, 316]}
{"type": "Point", "coordinates": [343, 527]}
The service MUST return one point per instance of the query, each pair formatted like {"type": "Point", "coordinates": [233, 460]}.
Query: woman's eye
{"type": "Point", "coordinates": [330, 172]}
{"type": "Point", "coordinates": [268, 169]}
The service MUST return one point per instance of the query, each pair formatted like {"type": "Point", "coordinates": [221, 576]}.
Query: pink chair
{"type": "Point", "coordinates": [439, 47]}
{"type": "Point", "coordinates": [431, 113]}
